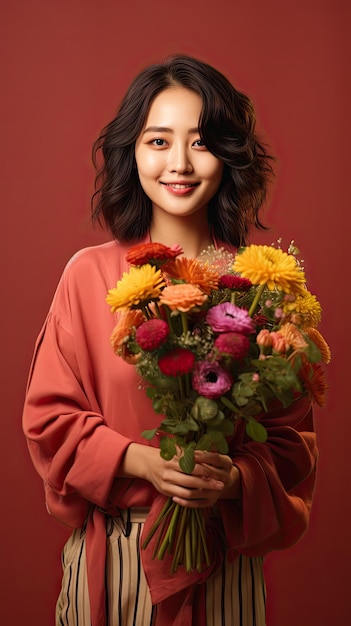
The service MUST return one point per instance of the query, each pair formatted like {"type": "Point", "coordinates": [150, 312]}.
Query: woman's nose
{"type": "Point", "coordinates": [179, 159]}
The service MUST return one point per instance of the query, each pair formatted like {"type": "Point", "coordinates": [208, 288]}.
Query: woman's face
{"type": "Point", "coordinates": [176, 171]}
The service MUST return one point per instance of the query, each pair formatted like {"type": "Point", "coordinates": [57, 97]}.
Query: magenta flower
{"type": "Point", "coordinates": [151, 334]}
{"type": "Point", "coordinates": [210, 379]}
{"type": "Point", "coordinates": [227, 317]}
{"type": "Point", "coordinates": [235, 345]}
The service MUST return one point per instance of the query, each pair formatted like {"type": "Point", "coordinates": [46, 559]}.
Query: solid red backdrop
{"type": "Point", "coordinates": [65, 66]}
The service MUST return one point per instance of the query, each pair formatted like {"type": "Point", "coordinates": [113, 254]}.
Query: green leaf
{"type": "Point", "coordinates": [227, 428]}
{"type": "Point", "coordinates": [168, 448]}
{"type": "Point", "coordinates": [256, 431]}
{"type": "Point", "coordinates": [158, 404]}
{"type": "Point", "coordinates": [313, 353]}
{"type": "Point", "coordinates": [151, 392]}
{"type": "Point", "coordinates": [149, 434]}
{"type": "Point", "coordinates": [241, 401]}
{"type": "Point", "coordinates": [191, 424]}
{"type": "Point", "coordinates": [216, 421]}
{"type": "Point", "coordinates": [186, 462]}
{"type": "Point", "coordinates": [213, 440]}
{"type": "Point", "coordinates": [246, 391]}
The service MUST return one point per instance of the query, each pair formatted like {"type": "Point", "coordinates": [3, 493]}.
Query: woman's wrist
{"type": "Point", "coordinates": [232, 490]}
{"type": "Point", "coordinates": [136, 461]}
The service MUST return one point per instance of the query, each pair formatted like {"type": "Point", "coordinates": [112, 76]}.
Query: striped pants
{"type": "Point", "coordinates": [235, 595]}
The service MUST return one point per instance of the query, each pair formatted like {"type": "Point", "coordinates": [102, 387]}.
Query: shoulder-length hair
{"type": "Point", "coordinates": [227, 128]}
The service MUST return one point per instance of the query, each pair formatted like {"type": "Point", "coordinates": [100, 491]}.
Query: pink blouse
{"type": "Point", "coordinates": [84, 406]}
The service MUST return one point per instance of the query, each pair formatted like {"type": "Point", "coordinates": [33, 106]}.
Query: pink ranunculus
{"type": "Point", "coordinates": [210, 379]}
{"type": "Point", "coordinates": [233, 344]}
{"type": "Point", "coordinates": [151, 334]}
{"type": "Point", "coordinates": [226, 317]}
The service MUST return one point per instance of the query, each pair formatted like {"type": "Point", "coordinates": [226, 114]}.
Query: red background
{"type": "Point", "coordinates": [65, 65]}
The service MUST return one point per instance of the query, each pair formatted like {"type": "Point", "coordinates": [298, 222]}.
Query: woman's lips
{"type": "Point", "coordinates": [180, 189]}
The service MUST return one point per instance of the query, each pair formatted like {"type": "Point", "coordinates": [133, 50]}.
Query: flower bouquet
{"type": "Point", "coordinates": [215, 340]}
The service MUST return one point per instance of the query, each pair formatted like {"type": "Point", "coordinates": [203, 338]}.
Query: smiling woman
{"type": "Point", "coordinates": [221, 122]}
{"type": "Point", "coordinates": [182, 166]}
{"type": "Point", "coordinates": [176, 171]}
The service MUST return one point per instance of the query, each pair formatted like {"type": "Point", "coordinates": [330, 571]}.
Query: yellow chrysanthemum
{"type": "Point", "coordinates": [320, 342]}
{"type": "Point", "coordinates": [266, 265]}
{"type": "Point", "coordinates": [306, 306]}
{"type": "Point", "coordinates": [136, 288]}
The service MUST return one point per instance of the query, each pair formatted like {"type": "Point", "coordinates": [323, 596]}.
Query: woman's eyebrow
{"type": "Point", "coordinates": [164, 129]}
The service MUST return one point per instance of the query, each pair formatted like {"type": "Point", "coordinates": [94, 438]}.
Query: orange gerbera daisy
{"type": "Point", "coordinates": [182, 297]}
{"type": "Point", "coordinates": [320, 342]}
{"type": "Point", "coordinates": [125, 325]}
{"type": "Point", "coordinates": [313, 379]}
{"type": "Point", "coordinates": [292, 336]}
{"type": "Point", "coordinates": [194, 272]}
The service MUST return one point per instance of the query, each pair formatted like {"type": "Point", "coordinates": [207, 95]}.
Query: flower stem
{"type": "Point", "coordinates": [146, 311]}
{"type": "Point", "coordinates": [169, 535]}
{"type": "Point", "coordinates": [181, 388]}
{"type": "Point", "coordinates": [169, 504]}
{"type": "Point", "coordinates": [158, 310]}
{"type": "Point", "coordinates": [256, 299]}
{"type": "Point", "coordinates": [227, 403]}
{"type": "Point", "coordinates": [201, 526]}
{"type": "Point", "coordinates": [188, 560]}
{"type": "Point", "coordinates": [178, 550]}
{"type": "Point", "coordinates": [185, 326]}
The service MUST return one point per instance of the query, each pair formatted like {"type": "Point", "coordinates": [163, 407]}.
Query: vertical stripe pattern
{"type": "Point", "coordinates": [235, 595]}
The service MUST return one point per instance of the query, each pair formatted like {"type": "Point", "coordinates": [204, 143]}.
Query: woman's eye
{"type": "Point", "coordinates": [159, 142]}
{"type": "Point", "coordinates": [199, 144]}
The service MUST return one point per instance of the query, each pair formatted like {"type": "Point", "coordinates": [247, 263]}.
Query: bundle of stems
{"type": "Point", "coordinates": [180, 532]}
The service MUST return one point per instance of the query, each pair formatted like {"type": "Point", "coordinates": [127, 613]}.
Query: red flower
{"type": "Point", "coordinates": [234, 344]}
{"type": "Point", "coordinates": [151, 252]}
{"type": "Point", "coordinates": [228, 281]}
{"type": "Point", "coordinates": [151, 334]}
{"type": "Point", "coordinates": [260, 320]}
{"type": "Point", "coordinates": [176, 362]}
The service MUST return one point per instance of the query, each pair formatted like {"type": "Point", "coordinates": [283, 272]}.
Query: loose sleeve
{"type": "Point", "coordinates": [277, 479]}
{"type": "Point", "coordinates": [73, 450]}
{"type": "Point", "coordinates": [71, 442]}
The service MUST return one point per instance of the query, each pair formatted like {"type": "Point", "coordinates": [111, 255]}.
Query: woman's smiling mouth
{"type": "Point", "coordinates": [180, 189]}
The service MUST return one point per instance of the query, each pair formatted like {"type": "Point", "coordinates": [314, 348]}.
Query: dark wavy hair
{"type": "Point", "coordinates": [227, 127]}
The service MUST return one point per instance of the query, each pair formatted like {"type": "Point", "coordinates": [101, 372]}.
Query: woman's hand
{"type": "Point", "coordinates": [213, 477]}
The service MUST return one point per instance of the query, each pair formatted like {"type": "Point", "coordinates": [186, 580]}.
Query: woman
{"type": "Point", "coordinates": [181, 163]}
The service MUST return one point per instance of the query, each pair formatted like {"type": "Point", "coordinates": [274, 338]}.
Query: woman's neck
{"type": "Point", "coordinates": [190, 232]}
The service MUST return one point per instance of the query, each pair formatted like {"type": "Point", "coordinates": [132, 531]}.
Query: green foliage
{"type": "Point", "coordinates": [149, 434]}
{"type": "Point", "coordinates": [313, 352]}
{"type": "Point", "coordinates": [213, 440]}
{"type": "Point", "coordinates": [256, 431]}
{"type": "Point", "coordinates": [186, 461]}
{"type": "Point", "coordinates": [168, 448]}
